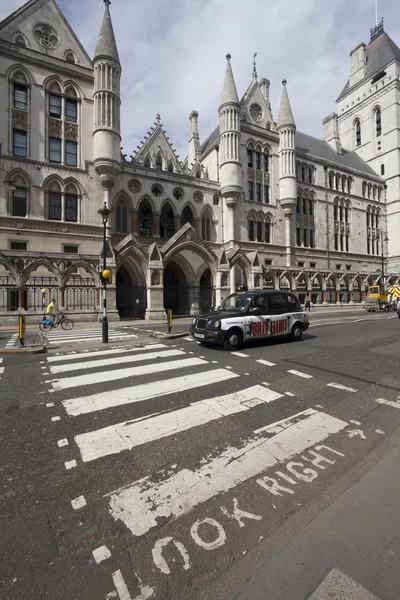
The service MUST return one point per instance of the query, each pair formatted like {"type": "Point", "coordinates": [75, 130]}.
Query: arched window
{"type": "Point", "coordinates": [19, 201]}
{"type": "Point", "coordinates": [145, 219]}
{"type": "Point", "coordinates": [187, 216]}
{"type": "Point", "coordinates": [251, 227]}
{"type": "Point", "coordinates": [19, 40]}
{"type": "Point", "coordinates": [331, 179]}
{"type": "Point", "coordinates": [357, 128]}
{"type": "Point", "coordinates": [167, 222]}
{"type": "Point", "coordinates": [71, 209]}
{"type": "Point", "coordinates": [147, 163]}
{"type": "Point", "coordinates": [159, 162]}
{"type": "Point", "coordinates": [121, 217]}
{"type": "Point", "coordinates": [54, 200]}
{"type": "Point", "coordinates": [69, 57]}
{"type": "Point", "coordinates": [198, 173]}
{"type": "Point", "coordinates": [364, 189]}
{"type": "Point", "coordinates": [206, 228]}
{"type": "Point", "coordinates": [382, 169]}
{"type": "Point", "coordinates": [268, 230]}
{"type": "Point", "coordinates": [378, 122]}
{"type": "Point", "coordinates": [170, 166]}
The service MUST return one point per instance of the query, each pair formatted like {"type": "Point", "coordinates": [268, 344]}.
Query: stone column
{"type": "Point", "coordinates": [351, 297]}
{"type": "Point", "coordinates": [362, 296]}
{"type": "Point", "coordinates": [156, 224]}
{"type": "Point", "coordinates": [324, 297]}
{"type": "Point", "coordinates": [62, 298]}
{"type": "Point", "coordinates": [134, 222]}
{"type": "Point", "coordinates": [288, 217]}
{"type": "Point", "coordinates": [218, 291]}
{"type": "Point", "coordinates": [233, 281]}
{"type": "Point", "coordinates": [177, 222]}
{"type": "Point", "coordinates": [107, 183]}
{"type": "Point", "coordinates": [21, 297]}
{"type": "Point", "coordinates": [337, 297]}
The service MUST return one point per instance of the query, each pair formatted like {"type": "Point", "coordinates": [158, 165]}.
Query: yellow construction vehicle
{"type": "Point", "coordinates": [377, 299]}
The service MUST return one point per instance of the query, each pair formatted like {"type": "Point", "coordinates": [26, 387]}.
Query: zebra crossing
{"type": "Point", "coordinates": [1, 368]}
{"type": "Point", "coordinates": [93, 334]}
{"type": "Point", "coordinates": [12, 341]}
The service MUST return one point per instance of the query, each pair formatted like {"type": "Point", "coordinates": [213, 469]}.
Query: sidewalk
{"type": "Point", "coordinates": [350, 552]}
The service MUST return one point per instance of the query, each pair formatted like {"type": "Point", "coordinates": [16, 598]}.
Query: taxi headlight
{"type": "Point", "coordinates": [193, 321]}
{"type": "Point", "coordinates": [216, 324]}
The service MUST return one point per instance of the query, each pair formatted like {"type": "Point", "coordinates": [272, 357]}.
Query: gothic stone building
{"type": "Point", "coordinates": [257, 203]}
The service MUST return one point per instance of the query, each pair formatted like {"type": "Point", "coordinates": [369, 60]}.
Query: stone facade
{"type": "Point", "coordinates": [258, 203]}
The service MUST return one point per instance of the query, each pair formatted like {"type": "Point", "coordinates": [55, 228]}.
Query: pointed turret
{"type": "Point", "coordinates": [106, 45]}
{"type": "Point", "coordinates": [287, 166]}
{"type": "Point", "coordinates": [285, 117]}
{"type": "Point", "coordinates": [107, 102]}
{"type": "Point", "coordinates": [230, 166]}
{"type": "Point", "coordinates": [229, 92]}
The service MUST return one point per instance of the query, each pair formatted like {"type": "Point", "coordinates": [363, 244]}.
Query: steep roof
{"type": "Point", "coordinates": [308, 146]}
{"type": "Point", "coordinates": [106, 44]}
{"type": "Point", "coordinates": [210, 141]}
{"type": "Point", "coordinates": [229, 91]}
{"type": "Point", "coordinates": [380, 52]}
{"type": "Point", "coordinates": [285, 116]}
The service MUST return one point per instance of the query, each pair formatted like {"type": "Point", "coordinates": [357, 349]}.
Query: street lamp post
{"type": "Point", "coordinates": [105, 213]}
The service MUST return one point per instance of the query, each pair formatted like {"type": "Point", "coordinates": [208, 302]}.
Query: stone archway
{"type": "Point", "coordinates": [176, 290]}
{"type": "Point", "coordinates": [131, 295]}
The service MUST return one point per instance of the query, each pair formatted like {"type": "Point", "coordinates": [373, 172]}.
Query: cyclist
{"type": "Point", "coordinates": [52, 311]}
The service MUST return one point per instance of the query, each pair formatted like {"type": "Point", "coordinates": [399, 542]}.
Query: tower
{"type": "Point", "coordinates": [230, 166]}
{"type": "Point", "coordinates": [107, 129]}
{"type": "Point", "coordinates": [194, 142]}
{"type": "Point", "coordinates": [287, 166]}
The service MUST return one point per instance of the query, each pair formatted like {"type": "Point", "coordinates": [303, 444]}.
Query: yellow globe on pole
{"type": "Point", "coordinates": [106, 274]}
{"type": "Point", "coordinates": [44, 291]}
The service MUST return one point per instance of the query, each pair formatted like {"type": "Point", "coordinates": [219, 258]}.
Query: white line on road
{"type": "Point", "coordinates": [139, 393]}
{"type": "Point", "coordinates": [300, 374]}
{"type": "Point", "coordinates": [93, 378]}
{"type": "Point", "coordinates": [92, 364]}
{"type": "Point", "coordinates": [78, 503]}
{"type": "Point", "coordinates": [125, 436]}
{"type": "Point", "coordinates": [101, 553]}
{"type": "Point", "coordinates": [62, 443]}
{"type": "Point", "coordinates": [123, 592]}
{"type": "Point", "coordinates": [140, 504]}
{"type": "Point", "coordinates": [266, 363]}
{"type": "Point", "coordinates": [284, 423]}
{"type": "Point", "coordinates": [103, 353]}
{"type": "Point", "coordinates": [1, 370]}
{"type": "Point", "coordinates": [388, 403]}
{"type": "Point", "coordinates": [71, 464]}
{"type": "Point", "coordinates": [240, 354]}
{"type": "Point", "coordinates": [339, 386]}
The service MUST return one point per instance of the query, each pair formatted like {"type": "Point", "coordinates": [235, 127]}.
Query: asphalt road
{"type": "Point", "coordinates": [171, 471]}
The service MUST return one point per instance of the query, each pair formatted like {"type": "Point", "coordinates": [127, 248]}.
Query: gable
{"type": "Point", "coordinates": [157, 145]}
{"type": "Point", "coordinates": [253, 97]}
{"type": "Point", "coordinates": [46, 30]}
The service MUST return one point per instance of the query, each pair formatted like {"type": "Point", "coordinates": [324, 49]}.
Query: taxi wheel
{"type": "Point", "coordinates": [296, 333]}
{"type": "Point", "coordinates": [233, 340]}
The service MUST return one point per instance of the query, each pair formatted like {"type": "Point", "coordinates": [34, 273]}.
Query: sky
{"type": "Point", "coordinates": [173, 55]}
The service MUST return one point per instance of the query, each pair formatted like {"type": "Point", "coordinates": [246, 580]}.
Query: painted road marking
{"type": "Point", "coordinates": [71, 464]}
{"type": "Point", "coordinates": [138, 393]}
{"type": "Point", "coordinates": [189, 339]}
{"type": "Point", "coordinates": [289, 394]}
{"type": "Point", "coordinates": [56, 418]}
{"type": "Point", "coordinates": [103, 353]}
{"type": "Point", "coordinates": [140, 504]}
{"type": "Point", "coordinates": [288, 422]}
{"type": "Point", "coordinates": [266, 363]}
{"type": "Point", "coordinates": [125, 436]}
{"type": "Point", "coordinates": [91, 364]}
{"type": "Point", "coordinates": [123, 592]}
{"type": "Point", "coordinates": [101, 553]}
{"type": "Point", "coordinates": [240, 354]}
{"type": "Point", "coordinates": [78, 503]}
{"type": "Point", "coordinates": [49, 404]}
{"type": "Point", "coordinates": [101, 377]}
{"type": "Point", "coordinates": [339, 386]}
{"type": "Point", "coordinates": [300, 374]}
{"type": "Point", "coordinates": [62, 443]}
{"type": "Point", "coordinates": [388, 403]}
{"type": "Point", "coordinates": [1, 370]}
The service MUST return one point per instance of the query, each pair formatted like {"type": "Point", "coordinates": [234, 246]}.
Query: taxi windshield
{"type": "Point", "coordinates": [239, 302]}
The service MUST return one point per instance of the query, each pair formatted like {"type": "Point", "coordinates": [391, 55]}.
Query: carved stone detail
{"type": "Point", "coordinates": [55, 124]}
{"type": "Point", "coordinates": [134, 186]}
{"type": "Point", "coordinates": [250, 174]}
{"type": "Point", "coordinates": [71, 128]}
{"type": "Point", "coordinates": [198, 197]}
{"type": "Point", "coordinates": [20, 117]}
{"type": "Point", "coordinates": [155, 278]}
{"type": "Point", "coordinates": [46, 36]}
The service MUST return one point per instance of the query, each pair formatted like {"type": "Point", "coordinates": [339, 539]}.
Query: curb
{"type": "Point", "coordinates": [167, 336]}
{"type": "Point", "coordinates": [24, 350]}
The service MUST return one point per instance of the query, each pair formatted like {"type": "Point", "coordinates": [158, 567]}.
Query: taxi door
{"type": "Point", "coordinates": [257, 319]}
{"type": "Point", "coordinates": [278, 314]}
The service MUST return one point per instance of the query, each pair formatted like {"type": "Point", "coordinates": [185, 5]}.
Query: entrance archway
{"type": "Point", "coordinates": [175, 290]}
{"type": "Point", "coordinates": [131, 297]}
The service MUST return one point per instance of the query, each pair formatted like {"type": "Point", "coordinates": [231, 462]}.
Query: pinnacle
{"type": "Point", "coordinates": [106, 44]}
{"type": "Point", "coordinates": [229, 93]}
{"type": "Point", "coordinates": [285, 117]}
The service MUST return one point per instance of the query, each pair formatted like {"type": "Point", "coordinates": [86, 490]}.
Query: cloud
{"type": "Point", "coordinates": [173, 55]}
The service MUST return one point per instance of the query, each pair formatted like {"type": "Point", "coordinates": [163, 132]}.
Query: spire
{"type": "Point", "coordinates": [106, 44]}
{"type": "Point", "coordinates": [285, 116]}
{"type": "Point", "coordinates": [254, 65]}
{"type": "Point", "coordinates": [229, 93]}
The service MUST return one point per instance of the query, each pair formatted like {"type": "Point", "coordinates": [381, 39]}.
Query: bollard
{"type": "Point", "coordinates": [21, 330]}
{"type": "Point", "coordinates": [169, 312]}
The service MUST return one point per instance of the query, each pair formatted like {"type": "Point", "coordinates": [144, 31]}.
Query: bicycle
{"type": "Point", "coordinates": [48, 324]}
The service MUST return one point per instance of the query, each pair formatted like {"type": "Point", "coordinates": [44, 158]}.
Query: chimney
{"type": "Point", "coordinates": [194, 141]}
{"type": "Point", "coordinates": [358, 64]}
{"type": "Point", "coordinates": [331, 133]}
{"type": "Point", "coordinates": [264, 87]}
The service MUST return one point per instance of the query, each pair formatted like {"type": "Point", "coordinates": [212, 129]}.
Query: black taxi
{"type": "Point", "coordinates": [254, 314]}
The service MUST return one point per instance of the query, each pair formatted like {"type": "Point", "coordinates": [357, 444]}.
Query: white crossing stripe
{"type": "Point", "coordinates": [240, 354]}
{"type": "Point", "coordinates": [139, 393]}
{"type": "Point", "coordinates": [127, 435]}
{"type": "Point", "coordinates": [91, 364]}
{"type": "Point", "coordinates": [100, 353]}
{"type": "Point", "coordinates": [339, 386]}
{"type": "Point", "coordinates": [101, 554]}
{"type": "Point", "coordinates": [395, 404]}
{"type": "Point", "coordinates": [1, 370]}
{"type": "Point", "coordinates": [288, 422]}
{"type": "Point", "coordinates": [115, 375]}
{"type": "Point", "coordinates": [266, 363]}
{"type": "Point", "coordinates": [140, 504]}
{"type": "Point", "coordinates": [300, 374]}
{"type": "Point", "coordinates": [1, 360]}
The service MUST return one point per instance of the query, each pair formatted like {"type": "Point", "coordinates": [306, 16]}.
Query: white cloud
{"type": "Point", "coordinates": [173, 55]}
